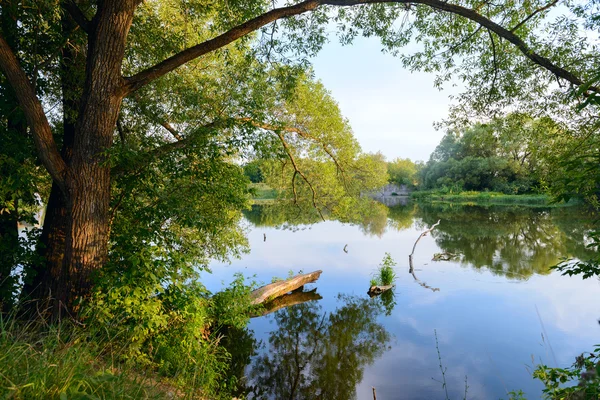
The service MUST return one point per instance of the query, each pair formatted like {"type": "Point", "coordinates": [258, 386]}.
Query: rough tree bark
{"type": "Point", "coordinates": [45, 278]}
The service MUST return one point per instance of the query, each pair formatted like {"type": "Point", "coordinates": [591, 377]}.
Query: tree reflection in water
{"type": "Point", "coordinates": [372, 217]}
{"type": "Point", "coordinates": [515, 242]}
{"type": "Point", "coordinates": [317, 355]}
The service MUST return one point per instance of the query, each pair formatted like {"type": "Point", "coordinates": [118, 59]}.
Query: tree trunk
{"type": "Point", "coordinates": [88, 181]}
{"type": "Point", "coordinates": [76, 227]}
{"type": "Point", "coordinates": [9, 217]}
{"type": "Point", "coordinates": [44, 279]}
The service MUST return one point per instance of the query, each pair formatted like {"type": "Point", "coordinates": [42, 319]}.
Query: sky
{"type": "Point", "coordinates": [390, 109]}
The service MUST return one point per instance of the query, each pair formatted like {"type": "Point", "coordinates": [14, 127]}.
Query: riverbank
{"type": "Point", "coordinates": [483, 198]}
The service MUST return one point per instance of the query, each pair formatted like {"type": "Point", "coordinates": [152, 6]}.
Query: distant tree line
{"type": "Point", "coordinates": [513, 154]}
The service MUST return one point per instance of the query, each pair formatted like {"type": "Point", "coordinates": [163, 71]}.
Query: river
{"type": "Point", "coordinates": [489, 316]}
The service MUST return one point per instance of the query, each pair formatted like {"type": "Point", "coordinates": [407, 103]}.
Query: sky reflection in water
{"type": "Point", "coordinates": [496, 308]}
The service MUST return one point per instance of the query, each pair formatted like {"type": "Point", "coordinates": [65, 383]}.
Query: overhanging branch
{"type": "Point", "coordinates": [34, 114]}
{"type": "Point", "coordinates": [146, 76]}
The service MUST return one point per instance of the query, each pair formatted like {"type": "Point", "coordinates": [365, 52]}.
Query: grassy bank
{"type": "Point", "coordinates": [262, 193]}
{"type": "Point", "coordinates": [63, 362]}
{"type": "Point", "coordinates": [487, 198]}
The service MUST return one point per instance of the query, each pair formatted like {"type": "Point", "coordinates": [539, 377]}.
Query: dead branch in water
{"type": "Point", "coordinates": [272, 291]}
{"type": "Point", "coordinates": [411, 269]}
{"type": "Point", "coordinates": [419, 238]}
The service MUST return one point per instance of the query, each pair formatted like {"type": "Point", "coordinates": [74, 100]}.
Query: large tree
{"type": "Point", "coordinates": [100, 67]}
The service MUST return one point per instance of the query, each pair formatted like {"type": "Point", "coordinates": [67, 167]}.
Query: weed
{"type": "Point", "coordinates": [385, 274]}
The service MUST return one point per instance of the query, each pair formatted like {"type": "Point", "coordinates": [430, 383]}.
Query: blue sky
{"type": "Point", "coordinates": [390, 109]}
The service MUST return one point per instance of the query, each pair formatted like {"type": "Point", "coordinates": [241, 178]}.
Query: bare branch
{"type": "Point", "coordinates": [297, 171]}
{"type": "Point", "coordinates": [171, 130]}
{"type": "Point", "coordinates": [533, 14]}
{"type": "Point", "coordinates": [34, 114]}
{"type": "Point", "coordinates": [495, 63]}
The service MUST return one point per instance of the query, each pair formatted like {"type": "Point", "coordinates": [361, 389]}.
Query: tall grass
{"type": "Point", "coordinates": [385, 274]}
{"type": "Point", "coordinates": [39, 361]}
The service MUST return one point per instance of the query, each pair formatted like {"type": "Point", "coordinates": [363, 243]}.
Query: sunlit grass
{"type": "Point", "coordinates": [61, 361]}
{"type": "Point", "coordinates": [385, 274]}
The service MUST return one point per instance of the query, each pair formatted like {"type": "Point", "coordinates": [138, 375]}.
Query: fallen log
{"type": "Point", "coordinates": [287, 300]}
{"type": "Point", "coordinates": [377, 290]}
{"type": "Point", "coordinates": [271, 291]}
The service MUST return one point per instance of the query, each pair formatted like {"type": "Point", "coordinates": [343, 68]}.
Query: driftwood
{"type": "Point", "coordinates": [377, 290]}
{"type": "Point", "coordinates": [410, 257]}
{"type": "Point", "coordinates": [270, 292]}
{"type": "Point", "coordinates": [298, 296]}
{"type": "Point", "coordinates": [411, 269]}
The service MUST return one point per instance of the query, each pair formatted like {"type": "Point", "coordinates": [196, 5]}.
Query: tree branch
{"type": "Point", "coordinates": [492, 87]}
{"type": "Point", "coordinates": [34, 115]}
{"type": "Point", "coordinates": [305, 135]}
{"type": "Point", "coordinates": [297, 171]}
{"type": "Point", "coordinates": [146, 76]}
{"type": "Point", "coordinates": [539, 10]}
{"type": "Point", "coordinates": [77, 15]}
{"type": "Point", "coordinates": [487, 23]}
{"type": "Point", "coordinates": [164, 149]}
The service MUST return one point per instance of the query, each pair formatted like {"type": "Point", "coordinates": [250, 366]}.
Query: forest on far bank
{"type": "Point", "coordinates": [512, 154]}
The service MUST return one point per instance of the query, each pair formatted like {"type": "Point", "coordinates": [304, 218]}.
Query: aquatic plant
{"type": "Point", "coordinates": [385, 274]}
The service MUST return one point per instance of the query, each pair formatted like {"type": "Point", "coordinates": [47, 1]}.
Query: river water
{"type": "Point", "coordinates": [489, 316]}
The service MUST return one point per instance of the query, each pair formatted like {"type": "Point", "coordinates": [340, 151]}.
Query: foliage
{"type": "Point", "coordinates": [402, 171]}
{"type": "Point", "coordinates": [580, 381]}
{"type": "Point", "coordinates": [514, 154]}
{"type": "Point", "coordinates": [587, 268]}
{"type": "Point", "coordinates": [385, 274]}
{"type": "Point", "coordinates": [62, 361]}
{"type": "Point", "coordinates": [484, 198]}
{"type": "Point", "coordinates": [260, 191]}
{"type": "Point", "coordinates": [253, 172]}
{"type": "Point", "coordinates": [173, 330]}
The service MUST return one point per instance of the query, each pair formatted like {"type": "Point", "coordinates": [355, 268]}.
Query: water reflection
{"type": "Point", "coordinates": [509, 241]}
{"type": "Point", "coordinates": [372, 218]}
{"type": "Point", "coordinates": [318, 355]}
{"type": "Point", "coordinates": [489, 326]}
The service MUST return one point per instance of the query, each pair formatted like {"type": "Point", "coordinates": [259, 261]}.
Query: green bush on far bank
{"type": "Point", "coordinates": [261, 191]}
{"type": "Point", "coordinates": [481, 197]}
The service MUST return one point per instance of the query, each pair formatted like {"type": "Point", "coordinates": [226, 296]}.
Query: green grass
{"type": "Point", "coordinates": [262, 192]}
{"type": "Point", "coordinates": [473, 197]}
{"type": "Point", "coordinates": [61, 362]}
{"type": "Point", "coordinates": [385, 274]}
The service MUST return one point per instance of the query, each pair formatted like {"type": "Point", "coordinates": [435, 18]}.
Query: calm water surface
{"type": "Point", "coordinates": [498, 310]}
